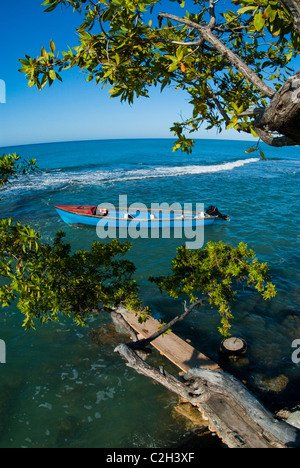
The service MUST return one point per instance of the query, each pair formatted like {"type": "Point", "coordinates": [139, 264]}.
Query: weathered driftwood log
{"type": "Point", "coordinates": [233, 412]}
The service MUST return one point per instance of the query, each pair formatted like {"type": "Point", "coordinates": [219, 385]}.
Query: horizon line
{"type": "Point", "coordinates": [119, 139]}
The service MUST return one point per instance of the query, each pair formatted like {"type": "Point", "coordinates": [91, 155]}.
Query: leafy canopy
{"type": "Point", "coordinates": [226, 61]}
{"type": "Point", "coordinates": [216, 271]}
{"type": "Point", "coordinates": [10, 168]}
{"type": "Point", "coordinates": [48, 279]}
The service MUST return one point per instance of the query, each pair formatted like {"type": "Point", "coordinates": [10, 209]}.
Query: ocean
{"type": "Point", "coordinates": [63, 386]}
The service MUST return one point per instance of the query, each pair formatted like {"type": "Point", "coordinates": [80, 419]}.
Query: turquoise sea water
{"type": "Point", "coordinates": [60, 387]}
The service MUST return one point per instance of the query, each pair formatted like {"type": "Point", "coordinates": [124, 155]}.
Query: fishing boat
{"type": "Point", "coordinates": [125, 218]}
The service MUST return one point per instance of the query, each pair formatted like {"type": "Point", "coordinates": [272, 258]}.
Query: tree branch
{"type": "Point", "coordinates": [219, 106]}
{"type": "Point", "coordinates": [160, 376]}
{"type": "Point", "coordinates": [294, 8]}
{"type": "Point", "coordinates": [282, 116]}
{"type": "Point", "coordinates": [277, 142]}
{"type": "Point", "coordinates": [253, 111]}
{"type": "Point", "coordinates": [214, 41]}
{"type": "Point", "coordinates": [212, 13]}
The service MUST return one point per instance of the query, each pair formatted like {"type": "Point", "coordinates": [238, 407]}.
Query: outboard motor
{"type": "Point", "coordinates": [213, 211]}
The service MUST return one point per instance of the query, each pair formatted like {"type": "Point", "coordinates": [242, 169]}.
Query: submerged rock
{"type": "Point", "coordinates": [9, 392]}
{"type": "Point", "coordinates": [68, 429]}
{"type": "Point", "coordinates": [292, 326]}
{"type": "Point", "coordinates": [291, 416]}
{"type": "Point", "coordinates": [271, 384]}
{"type": "Point", "coordinates": [192, 415]}
{"type": "Point", "coordinates": [198, 434]}
{"type": "Point", "coordinates": [106, 335]}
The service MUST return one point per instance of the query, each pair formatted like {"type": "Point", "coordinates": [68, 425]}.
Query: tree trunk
{"type": "Point", "coordinates": [294, 7]}
{"type": "Point", "coordinates": [282, 115]}
{"type": "Point", "coordinates": [233, 413]}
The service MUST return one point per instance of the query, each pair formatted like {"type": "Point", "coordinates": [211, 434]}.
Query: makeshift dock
{"type": "Point", "coordinates": [238, 418]}
{"type": "Point", "coordinates": [176, 350]}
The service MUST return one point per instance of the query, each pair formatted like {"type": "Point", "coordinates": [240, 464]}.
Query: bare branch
{"type": "Point", "coordinates": [212, 13]}
{"type": "Point", "coordinates": [192, 43]}
{"type": "Point", "coordinates": [253, 111]}
{"type": "Point", "coordinates": [162, 377]}
{"type": "Point", "coordinates": [270, 140]}
{"type": "Point", "coordinates": [219, 106]}
{"type": "Point", "coordinates": [214, 41]}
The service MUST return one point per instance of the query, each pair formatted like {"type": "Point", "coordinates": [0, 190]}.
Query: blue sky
{"type": "Point", "coordinates": [72, 110]}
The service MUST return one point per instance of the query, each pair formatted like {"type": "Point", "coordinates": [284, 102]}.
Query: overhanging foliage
{"type": "Point", "coordinates": [231, 63]}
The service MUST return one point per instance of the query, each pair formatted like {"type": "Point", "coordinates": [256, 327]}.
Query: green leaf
{"type": "Point", "coordinates": [52, 46]}
{"type": "Point", "coordinates": [253, 132]}
{"type": "Point", "coordinates": [44, 54]}
{"type": "Point", "coordinates": [179, 54]}
{"type": "Point", "coordinates": [247, 9]}
{"type": "Point", "coordinates": [262, 154]}
{"type": "Point", "coordinates": [52, 74]}
{"type": "Point", "coordinates": [259, 21]}
{"type": "Point", "coordinates": [24, 62]}
{"type": "Point", "coordinates": [173, 67]}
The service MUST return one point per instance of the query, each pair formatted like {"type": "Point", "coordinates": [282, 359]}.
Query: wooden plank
{"type": "Point", "coordinates": [178, 351]}
{"type": "Point", "coordinates": [231, 410]}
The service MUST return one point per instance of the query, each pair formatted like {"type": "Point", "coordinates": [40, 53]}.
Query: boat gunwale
{"type": "Point", "coordinates": [142, 220]}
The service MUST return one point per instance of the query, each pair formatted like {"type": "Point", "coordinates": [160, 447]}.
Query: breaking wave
{"type": "Point", "coordinates": [55, 179]}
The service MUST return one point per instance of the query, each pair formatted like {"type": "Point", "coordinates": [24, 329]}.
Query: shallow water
{"type": "Point", "coordinates": [60, 388]}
